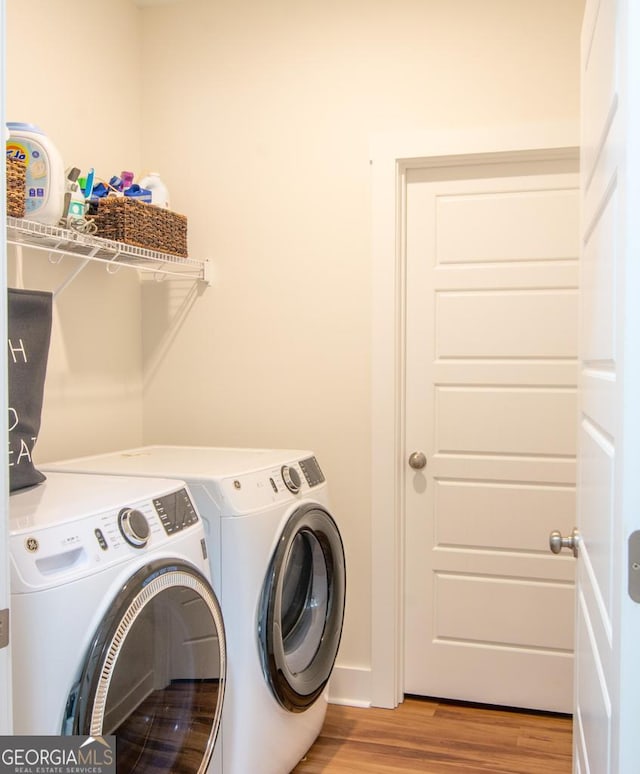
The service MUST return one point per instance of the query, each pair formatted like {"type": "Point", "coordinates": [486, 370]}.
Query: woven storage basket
{"type": "Point", "coordinates": [142, 225]}
{"type": "Point", "coordinates": [16, 181]}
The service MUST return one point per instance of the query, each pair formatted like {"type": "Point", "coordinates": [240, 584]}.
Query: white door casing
{"type": "Point", "coordinates": [491, 372]}
{"type": "Point", "coordinates": [607, 699]}
{"type": "Point", "coordinates": [392, 157]}
{"type": "Point", "coordinates": [6, 724]}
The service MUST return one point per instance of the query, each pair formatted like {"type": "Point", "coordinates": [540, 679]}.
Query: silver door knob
{"type": "Point", "coordinates": [557, 542]}
{"type": "Point", "coordinates": [417, 460]}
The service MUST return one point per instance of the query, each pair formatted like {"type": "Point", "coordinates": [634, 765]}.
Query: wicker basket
{"type": "Point", "coordinates": [16, 182]}
{"type": "Point", "coordinates": [142, 225]}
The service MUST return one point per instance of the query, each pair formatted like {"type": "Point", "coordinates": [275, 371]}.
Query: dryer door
{"type": "Point", "coordinates": [302, 608]}
{"type": "Point", "coordinates": [155, 672]}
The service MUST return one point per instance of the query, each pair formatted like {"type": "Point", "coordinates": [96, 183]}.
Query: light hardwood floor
{"type": "Point", "coordinates": [436, 737]}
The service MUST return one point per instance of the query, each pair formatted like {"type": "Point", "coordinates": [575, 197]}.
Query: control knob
{"type": "Point", "coordinates": [134, 527]}
{"type": "Point", "coordinates": [291, 479]}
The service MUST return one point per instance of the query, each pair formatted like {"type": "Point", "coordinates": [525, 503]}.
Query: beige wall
{"type": "Point", "coordinates": [258, 114]}
{"type": "Point", "coordinates": [76, 75]}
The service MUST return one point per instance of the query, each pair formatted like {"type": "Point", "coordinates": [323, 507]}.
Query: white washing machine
{"type": "Point", "coordinates": [116, 628]}
{"type": "Point", "coordinates": [281, 587]}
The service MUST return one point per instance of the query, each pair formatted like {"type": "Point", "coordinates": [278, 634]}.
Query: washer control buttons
{"type": "Point", "coordinates": [291, 478]}
{"type": "Point", "coordinates": [134, 527]}
{"type": "Point", "coordinates": [101, 539]}
{"type": "Point", "coordinates": [31, 544]}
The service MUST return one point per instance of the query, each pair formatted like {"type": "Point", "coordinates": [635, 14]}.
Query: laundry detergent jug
{"type": "Point", "coordinates": [44, 194]}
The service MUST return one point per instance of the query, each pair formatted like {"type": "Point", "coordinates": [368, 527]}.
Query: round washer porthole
{"type": "Point", "coordinates": [157, 662]}
{"type": "Point", "coordinates": [302, 608]}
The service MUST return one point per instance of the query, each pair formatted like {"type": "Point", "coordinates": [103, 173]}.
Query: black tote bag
{"type": "Point", "coordinates": [29, 333]}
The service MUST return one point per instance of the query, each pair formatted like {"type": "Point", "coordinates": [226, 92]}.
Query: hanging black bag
{"type": "Point", "coordinates": [29, 333]}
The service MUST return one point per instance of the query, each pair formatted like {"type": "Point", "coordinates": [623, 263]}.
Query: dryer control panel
{"type": "Point", "coordinates": [289, 482]}
{"type": "Point", "coordinates": [291, 477]}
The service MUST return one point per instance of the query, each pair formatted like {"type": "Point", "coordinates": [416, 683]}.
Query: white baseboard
{"type": "Point", "coordinates": [350, 686]}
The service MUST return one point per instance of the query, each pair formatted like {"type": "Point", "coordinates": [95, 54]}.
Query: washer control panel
{"type": "Point", "coordinates": [176, 511]}
{"type": "Point", "coordinates": [134, 527]}
{"type": "Point", "coordinates": [44, 554]}
{"type": "Point", "coordinates": [311, 471]}
{"type": "Point", "coordinates": [291, 478]}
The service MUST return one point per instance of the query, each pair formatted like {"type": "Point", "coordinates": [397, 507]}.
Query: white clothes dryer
{"type": "Point", "coordinates": [116, 628]}
{"type": "Point", "coordinates": [281, 587]}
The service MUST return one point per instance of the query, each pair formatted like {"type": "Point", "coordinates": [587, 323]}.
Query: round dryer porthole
{"type": "Point", "coordinates": [302, 608]}
{"type": "Point", "coordinates": [155, 672]}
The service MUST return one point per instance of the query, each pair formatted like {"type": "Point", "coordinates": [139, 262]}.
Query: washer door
{"type": "Point", "coordinates": [302, 608]}
{"type": "Point", "coordinates": [155, 672]}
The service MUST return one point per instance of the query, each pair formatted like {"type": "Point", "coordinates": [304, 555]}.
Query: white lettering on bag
{"type": "Point", "coordinates": [15, 350]}
{"type": "Point", "coordinates": [25, 453]}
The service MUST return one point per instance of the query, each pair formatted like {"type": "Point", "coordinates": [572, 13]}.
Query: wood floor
{"type": "Point", "coordinates": [169, 731]}
{"type": "Point", "coordinates": [435, 737]}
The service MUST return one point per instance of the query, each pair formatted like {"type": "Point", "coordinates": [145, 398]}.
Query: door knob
{"type": "Point", "coordinates": [417, 460]}
{"type": "Point", "coordinates": [557, 542]}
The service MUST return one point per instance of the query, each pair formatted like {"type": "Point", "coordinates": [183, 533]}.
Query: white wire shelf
{"type": "Point", "coordinates": [62, 241]}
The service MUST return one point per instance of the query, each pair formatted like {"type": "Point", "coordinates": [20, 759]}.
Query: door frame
{"type": "Point", "coordinates": [391, 156]}
{"type": "Point", "coordinates": [6, 722]}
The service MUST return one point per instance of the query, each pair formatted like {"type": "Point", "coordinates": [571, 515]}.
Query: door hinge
{"type": "Point", "coordinates": [4, 628]}
{"type": "Point", "coordinates": [634, 566]}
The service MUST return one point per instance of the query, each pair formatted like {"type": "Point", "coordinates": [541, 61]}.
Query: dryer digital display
{"type": "Point", "coordinates": [176, 511]}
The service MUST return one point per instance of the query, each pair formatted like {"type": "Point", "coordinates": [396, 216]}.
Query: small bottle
{"type": "Point", "coordinates": [74, 202]}
{"type": "Point", "coordinates": [159, 191]}
{"type": "Point", "coordinates": [127, 179]}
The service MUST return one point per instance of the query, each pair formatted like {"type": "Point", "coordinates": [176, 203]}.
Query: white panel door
{"type": "Point", "coordinates": [491, 401]}
{"type": "Point", "coordinates": [606, 739]}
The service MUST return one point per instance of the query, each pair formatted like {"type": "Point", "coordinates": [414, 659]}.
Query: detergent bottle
{"type": "Point", "coordinates": [159, 191]}
{"type": "Point", "coordinates": [45, 181]}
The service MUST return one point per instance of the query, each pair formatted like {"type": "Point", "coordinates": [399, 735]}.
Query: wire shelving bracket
{"type": "Point", "coordinates": [60, 242]}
